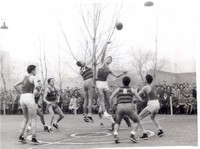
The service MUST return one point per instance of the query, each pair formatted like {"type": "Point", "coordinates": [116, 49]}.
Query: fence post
{"type": "Point", "coordinates": [171, 109]}
{"type": "Point", "coordinates": [4, 107]}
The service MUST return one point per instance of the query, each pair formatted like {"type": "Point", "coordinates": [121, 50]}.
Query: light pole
{"type": "Point", "coordinates": [150, 4]}
{"type": "Point", "coordinates": [4, 109]}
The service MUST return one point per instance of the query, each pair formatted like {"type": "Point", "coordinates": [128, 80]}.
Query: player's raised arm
{"type": "Point", "coordinates": [104, 52]}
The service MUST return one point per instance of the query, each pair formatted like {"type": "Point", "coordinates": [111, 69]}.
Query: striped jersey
{"type": "Point", "coordinates": [27, 87]}
{"type": "Point", "coordinates": [86, 73]}
{"type": "Point", "coordinates": [125, 95]}
{"type": "Point", "coordinates": [52, 95]}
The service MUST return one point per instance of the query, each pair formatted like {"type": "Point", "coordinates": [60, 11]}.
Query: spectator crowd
{"type": "Point", "coordinates": [183, 98]}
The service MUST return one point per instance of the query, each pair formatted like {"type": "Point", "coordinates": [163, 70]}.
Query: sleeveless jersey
{"type": "Point", "coordinates": [52, 95]}
{"type": "Point", "coordinates": [125, 95]}
{"type": "Point", "coordinates": [153, 94]}
{"type": "Point", "coordinates": [103, 73]}
{"type": "Point", "coordinates": [86, 73]}
{"type": "Point", "coordinates": [27, 87]}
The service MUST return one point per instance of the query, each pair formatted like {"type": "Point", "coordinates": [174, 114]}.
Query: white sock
{"type": "Point", "coordinates": [112, 120]}
{"type": "Point", "coordinates": [29, 127]}
{"type": "Point", "coordinates": [133, 132]}
{"type": "Point", "coordinates": [115, 133]}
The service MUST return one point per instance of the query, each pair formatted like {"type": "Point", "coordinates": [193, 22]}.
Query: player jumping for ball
{"type": "Point", "coordinates": [51, 97]}
{"type": "Point", "coordinates": [102, 86]}
{"type": "Point", "coordinates": [153, 104]}
{"type": "Point", "coordinates": [89, 90]}
{"type": "Point", "coordinates": [125, 107]}
{"type": "Point", "coordinates": [27, 103]}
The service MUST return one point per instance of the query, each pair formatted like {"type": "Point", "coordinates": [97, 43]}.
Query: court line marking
{"type": "Point", "coordinates": [107, 134]}
{"type": "Point", "coordinates": [41, 132]}
{"type": "Point", "coordinates": [62, 142]}
{"type": "Point", "coordinates": [59, 142]}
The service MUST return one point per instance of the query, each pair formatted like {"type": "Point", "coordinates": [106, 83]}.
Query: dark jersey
{"type": "Point", "coordinates": [152, 95]}
{"type": "Point", "coordinates": [102, 73]}
{"type": "Point", "coordinates": [125, 95]}
{"type": "Point", "coordinates": [27, 87]}
{"type": "Point", "coordinates": [86, 73]}
{"type": "Point", "coordinates": [52, 95]}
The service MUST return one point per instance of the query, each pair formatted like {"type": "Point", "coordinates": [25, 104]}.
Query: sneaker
{"type": "Point", "coordinates": [112, 127]}
{"type": "Point", "coordinates": [85, 119]}
{"type": "Point", "coordinates": [160, 133]}
{"type": "Point", "coordinates": [105, 114]}
{"type": "Point", "coordinates": [101, 125]}
{"type": "Point", "coordinates": [133, 139]}
{"type": "Point", "coordinates": [35, 141]}
{"type": "Point", "coordinates": [21, 139]}
{"type": "Point", "coordinates": [50, 130]}
{"type": "Point", "coordinates": [90, 119]}
{"type": "Point", "coordinates": [45, 128]}
{"type": "Point", "coordinates": [144, 136]}
{"type": "Point", "coordinates": [55, 125]}
{"type": "Point", "coordinates": [116, 139]}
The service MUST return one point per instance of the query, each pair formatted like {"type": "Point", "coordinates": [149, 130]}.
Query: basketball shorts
{"type": "Point", "coordinates": [54, 104]}
{"type": "Point", "coordinates": [126, 109]}
{"type": "Point", "coordinates": [88, 84]}
{"type": "Point", "coordinates": [102, 85]}
{"type": "Point", "coordinates": [153, 106]}
{"type": "Point", "coordinates": [27, 100]}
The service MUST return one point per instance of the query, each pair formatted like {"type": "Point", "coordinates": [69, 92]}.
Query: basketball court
{"type": "Point", "coordinates": [75, 133]}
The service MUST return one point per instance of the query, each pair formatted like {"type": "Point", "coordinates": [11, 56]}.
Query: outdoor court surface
{"type": "Point", "coordinates": [180, 130]}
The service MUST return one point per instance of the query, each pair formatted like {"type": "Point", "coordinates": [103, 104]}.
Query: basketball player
{"type": "Point", "coordinates": [113, 111]}
{"type": "Point", "coordinates": [51, 97]}
{"type": "Point", "coordinates": [38, 95]}
{"type": "Point", "coordinates": [102, 85]}
{"type": "Point", "coordinates": [125, 107]}
{"type": "Point", "coordinates": [89, 90]}
{"type": "Point", "coordinates": [27, 103]}
{"type": "Point", "coordinates": [153, 104]}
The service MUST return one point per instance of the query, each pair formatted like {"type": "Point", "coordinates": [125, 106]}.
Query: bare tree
{"type": "Point", "coordinates": [42, 61]}
{"type": "Point", "coordinates": [59, 69]}
{"type": "Point", "coordinates": [4, 68]}
{"type": "Point", "coordinates": [96, 38]}
{"type": "Point", "coordinates": [143, 61]}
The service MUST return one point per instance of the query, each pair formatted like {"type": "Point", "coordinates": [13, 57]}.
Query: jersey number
{"type": "Point", "coordinates": [124, 91]}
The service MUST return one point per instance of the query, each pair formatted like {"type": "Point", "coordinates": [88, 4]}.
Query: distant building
{"type": "Point", "coordinates": [170, 78]}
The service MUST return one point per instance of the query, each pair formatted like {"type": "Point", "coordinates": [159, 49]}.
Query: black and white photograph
{"type": "Point", "coordinates": [100, 74]}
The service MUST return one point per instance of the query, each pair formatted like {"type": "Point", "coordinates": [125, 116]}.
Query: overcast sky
{"type": "Point", "coordinates": [31, 20]}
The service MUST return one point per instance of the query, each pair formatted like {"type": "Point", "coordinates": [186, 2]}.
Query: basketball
{"type": "Point", "coordinates": [119, 25]}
